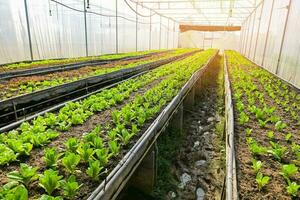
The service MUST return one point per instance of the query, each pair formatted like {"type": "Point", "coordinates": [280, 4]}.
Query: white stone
{"type": "Point", "coordinates": [200, 194]}
{"type": "Point", "coordinates": [173, 194]}
{"type": "Point", "coordinates": [210, 119]}
{"type": "Point", "coordinates": [185, 178]}
{"type": "Point", "coordinates": [200, 162]}
{"type": "Point", "coordinates": [196, 144]}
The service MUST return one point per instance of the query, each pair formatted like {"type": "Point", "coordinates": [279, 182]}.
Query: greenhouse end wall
{"type": "Point", "coordinates": [269, 38]}
{"type": "Point", "coordinates": [57, 29]}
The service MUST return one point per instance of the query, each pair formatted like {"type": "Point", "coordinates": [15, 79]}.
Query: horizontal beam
{"type": "Point", "coordinates": [184, 28]}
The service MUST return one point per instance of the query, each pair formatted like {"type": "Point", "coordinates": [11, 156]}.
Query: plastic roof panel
{"type": "Point", "coordinates": [208, 12]}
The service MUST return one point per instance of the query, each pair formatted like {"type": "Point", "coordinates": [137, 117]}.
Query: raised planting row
{"type": "Point", "coordinates": [66, 154]}
{"type": "Point", "coordinates": [267, 134]}
{"type": "Point", "coordinates": [47, 63]}
{"type": "Point", "coordinates": [24, 85]}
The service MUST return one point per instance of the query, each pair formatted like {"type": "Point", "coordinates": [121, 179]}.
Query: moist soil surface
{"type": "Point", "coordinates": [191, 164]}
{"type": "Point", "coordinates": [247, 186]}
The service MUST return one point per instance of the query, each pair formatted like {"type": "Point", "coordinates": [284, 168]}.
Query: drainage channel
{"type": "Point", "coordinates": [16, 110]}
{"type": "Point", "coordinates": [191, 162]}
{"type": "Point", "coordinates": [66, 67]}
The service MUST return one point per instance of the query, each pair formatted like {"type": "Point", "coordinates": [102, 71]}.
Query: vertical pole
{"type": "Point", "coordinates": [159, 31]}
{"type": "Point", "coordinates": [247, 36]}
{"type": "Point", "coordinates": [173, 34]}
{"type": "Point", "coordinates": [283, 36]}
{"type": "Point", "coordinates": [267, 37]}
{"type": "Point", "coordinates": [117, 37]}
{"type": "Point", "coordinates": [85, 29]}
{"type": "Point", "coordinates": [168, 35]}
{"type": "Point", "coordinates": [28, 29]}
{"type": "Point", "coordinates": [254, 16]}
{"type": "Point", "coordinates": [257, 35]}
{"type": "Point", "coordinates": [150, 30]}
{"type": "Point", "coordinates": [136, 27]}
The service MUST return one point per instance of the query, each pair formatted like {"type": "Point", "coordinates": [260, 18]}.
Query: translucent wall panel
{"type": "Point", "coordinates": [283, 61]}
{"type": "Point", "coordinates": [58, 29]}
{"type": "Point", "coordinates": [262, 36]}
{"type": "Point", "coordinates": [275, 34]}
{"type": "Point", "coordinates": [255, 32]}
{"type": "Point", "coordinates": [289, 66]}
{"type": "Point", "coordinates": [14, 43]}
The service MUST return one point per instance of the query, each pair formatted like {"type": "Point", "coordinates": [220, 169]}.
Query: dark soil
{"type": "Point", "coordinates": [247, 186]}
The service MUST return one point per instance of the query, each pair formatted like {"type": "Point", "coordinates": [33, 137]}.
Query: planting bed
{"type": "Point", "coordinates": [86, 139]}
{"type": "Point", "coordinates": [24, 85]}
{"type": "Point", "coordinates": [47, 63]}
{"type": "Point", "coordinates": [267, 132]}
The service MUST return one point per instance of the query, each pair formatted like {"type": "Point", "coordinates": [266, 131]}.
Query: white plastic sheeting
{"type": "Point", "coordinates": [58, 31]}
{"type": "Point", "coordinates": [204, 40]}
{"type": "Point", "coordinates": [275, 44]}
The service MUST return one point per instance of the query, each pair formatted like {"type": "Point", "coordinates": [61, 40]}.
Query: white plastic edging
{"type": "Point", "coordinates": [231, 182]}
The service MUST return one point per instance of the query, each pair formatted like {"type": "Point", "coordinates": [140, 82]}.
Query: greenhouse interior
{"type": "Point", "coordinates": [149, 99]}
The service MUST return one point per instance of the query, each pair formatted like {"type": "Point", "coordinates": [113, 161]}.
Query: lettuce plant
{"type": "Point", "coordinates": [72, 144]}
{"type": "Point", "coordinates": [51, 157]}
{"type": "Point", "coordinates": [6, 155]}
{"type": "Point", "coordinates": [85, 151]}
{"type": "Point", "coordinates": [261, 180]}
{"type": "Point", "coordinates": [114, 147]}
{"type": "Point", "coordinates": [70, 187]}
{"type": "Point", "coordinates": [279, 126]}
{"type": "Point", "coordinates": [288, 171]}
{"type": "Point", "coordinates": [277, 150]}
{"type": "Point", "coordinates": [292, 188]}
{"type": "Point", "coordinates": [94, 169]}
{"type": "Point", "coordinates": [25, 175]}
{"type": "Point", "coordinates": [50, 180]}
{"type": "Point", "coordinates": [256, 165]}
{"type": "Point", "coordinates": [70, 161]}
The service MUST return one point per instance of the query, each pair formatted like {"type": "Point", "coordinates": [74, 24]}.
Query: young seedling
{"type": "Point", "coordinates": [270, 135]}
{"type": "Point", "coordinates": [85, 152]}
{"type": "Point", "coordinates": [70, 187]}
{"type": "Point", "coordinates": [261, 180]}
{"type": "Point", "coordinates": [94, 170]}
{"type": "Point", "coordinates": [72, 144]}
{"type": "Point", "coordinates": [51, 157]}
{"type": "Point", "coordinates": [288, 171]}
{"type": "Point", "coordinates": [25, 175]}
{"type": "Point", "coordinates": [50, 180]}
{"type": "Point", "coordinates": [243, 119]}
{"type": "Point", "coordinates": [279, 126]}
{"type": "Point", "coordinates": [277, 150]}
{"type": "Point", "coordinates": [114, 147]}
{"type": "Point", "coordinates": [70, 161]}
{"type": "Point", "coordinates": [248, 132]}
{"type": "Point", "coordinates": [288, 137]}
{"type": "Point", "coordinates": [292, 188]}
{"type": "Point", "coordinates": [256, 165]}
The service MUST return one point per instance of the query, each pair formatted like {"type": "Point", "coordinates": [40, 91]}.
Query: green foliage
{"type": "Point", "coordinates": [270, 135]}
{"type": "Point", "coordinates": [70, 187]}
{"type": "Point", "coordinates": [102, 155]}
{"type": "Point", "coordinates": [279, 126]}
{"type": "Point", "coordinates": [25, 175]}
{"type": "Point", "coordinates": [51, 157]}
{"type": "Point", "coordinates": [277, 150]}
{"type": "Point", "coordinates": [248, 131]}
{"type": "Point", "coordinates": [70, 161]}
{"type": "Point", "coordinates": [243, 119]}
{"type": "Point", "coordinates": [19, 147]}
{"type": "Point", "coordinates": [50, 180]}
{"type": "Point", "coordinates": [94, 169]}
{"type": "Point", "coordinates": [288, 137]}
{"type": "Point", "coordinates": [255, 148]}
{"type": "Point", "coordinates": [85, 152]}
{"type": "Point", "coordinates": [13, 191]}
{"type": "Point", "coordinates": [289, 170]}
{"type": "Point", "coordinates": [256, 165]}
{"type": "Point", "coordinates": [261, 180]}
{"type": "Point", "coordinates": [72, 144]}
{"type": "Point", "coordinates": [47, 197]}
{"type": "Point", "coordinates": [6, 155]}
{"type": "Point", "coordinates": [114, 147]}
{"type": "Point", "coordinates": [292, 188]}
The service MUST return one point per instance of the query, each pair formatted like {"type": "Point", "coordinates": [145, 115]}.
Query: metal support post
{"type": "Point", "coordinates": [283, 36]}
{"type": "Point", "coordinates": [136, 27]}
{"type": "Point", "coordinates": [159, 32]}
{"type": "Point", "coordinates": [267, 37]}
{"type": "Point", "coordinates": [150, 30]}
{"type": "Point", "coordinates": [257, 35]}
{"type": "Point", "coordinates": [247, 35]}
{"type": "Point", "coordinates": [254, 16]}
{"type": "Point", "coordinates": [28, 29]}
{"type": "Point", "coordinates": [117, 37]}
{"type": "Point", "coordinates": [168, 34]}
{"type": "Point", "coordinates": [85, 29]}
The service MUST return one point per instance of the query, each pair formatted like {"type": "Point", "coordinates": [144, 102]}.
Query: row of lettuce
{"type": "Point", "coordinates": [93, 152]}
{"type": "Point", "coordinates": [45, 63]}
{"type": "Point", "coordinates": [268, 112]}
{"type": "Point", "coordinates": [27, 85]}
